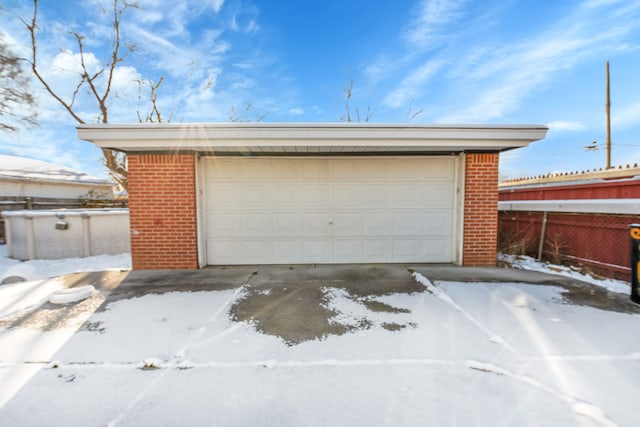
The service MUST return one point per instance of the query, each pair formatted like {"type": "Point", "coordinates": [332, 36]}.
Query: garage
{"type": "Point", "coordinates": [203, 194]}
{"type": "Point", "coordinates": [267, 210]}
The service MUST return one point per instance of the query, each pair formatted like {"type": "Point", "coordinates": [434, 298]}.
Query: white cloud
{"type": "Point", "coordinates": [68, 62]}
{"type": "Point", "coordinates": [487, 77]}
{"type": "Point", "coordinates": [238, 24]}
{"type": "Point", "coordinates": [296, 111]}
{"type": "Point", "coordinates": [561, 125]}
{"type": "Point", "coordinates": [243, 83]}
{"type": "Point", "coordinates": [217, 5]}
{"type": "Point", "coordinates": [626, 115]}
{"type": "Point", "coordinates": [125, 77]}
{"type": "Point", "coordinates": [433, 15]}
{"type": "Point", "coordinates": [412, 84]}
{"type": "Point", "coordinates": [513, 71]}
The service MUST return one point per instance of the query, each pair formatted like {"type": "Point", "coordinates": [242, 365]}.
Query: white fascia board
{"type": "Point", "coordinates": [206, 137]}
{"type": "Point", "coordinates": [602, 206]}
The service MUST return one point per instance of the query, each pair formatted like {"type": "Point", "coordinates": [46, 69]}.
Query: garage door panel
{"type": "Point", "coordinates": [349, 250]}
{"type": "Point", "coordinates": [347, 196]}
{"type": "Point", "coordinates": [316, 250]}
{"type": "Point", "coordinates": [436, 250]}
{"type": "Point", "coordinates": [438, 170]}
{"type": "Point", "coordinates": [408, 224]}
{"type": "Point", "coordinates": [347, 169]}
{"type": "Point", "coordinates": [329, 210]}
{"type": "Point", "coordinates": [285, 251]}
{"type": "Point", "coordinates": [222, 196]}
{"type": "Point", "coordinates": [316, 224]}
{"type": "Point", "coordinates": [315, 169]}
{"type": "Point", "coordinates": [377, 196]}
{"type": "Point", "coordinates": [379, 169]}
{"type": "Point", "coordinates": [223, 251]}
{"type": "Point", "coordinates": [409, 168]}
{"type": "Point", "coordinates": [439, 195]}
{"type": "Point", "coordinates": [256, 251]}
{"type": "Point", "coordinates": [438, 223]}
{"type": "Point", "coordinates": [224, 225]}
{"type": "Point", "coordinates": [406, 249]}
{"type": "Point", "coordinates": [254, 196]}
{"type": "Point", "coordinates": [287, 224]}
{"type": "Point", "coordinates": [254, 168]}
{"type": "Point", "coordinates": [286, 195]}
{"type": "Point", "coordinates": [376, 250]}
{"type": "Point", "coordinates": [220, 170]}
{"type": "Point", "coordinates": [346, 224]}
{"type": "Point", "coordinates": [377, 224]}
{"type": "Point", "coordinates": [256, 224]}
{"type": "Point", "coordinates": [315, 196]}
{"type": "Point", "coordinates": [409, 195]}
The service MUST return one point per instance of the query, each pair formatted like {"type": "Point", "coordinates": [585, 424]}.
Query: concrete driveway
{"type": "Point", "coordinates": [324, 345]}
{"type": "Point", "coordinates": [290, 302]}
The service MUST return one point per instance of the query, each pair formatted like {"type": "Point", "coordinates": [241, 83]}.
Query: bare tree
{"type": "Point", "coordinates": [152, 115]}
{"type": "Point", "coordinates": [411, 114]}
{"type": "Point", "coordinates": [354, 116]}
{"type": "Point", "coordinates": [17, 103]}
{"type": "Point", "coordinates": [236, 116]}
{"type": "Point", "coordinates": [98, 84]}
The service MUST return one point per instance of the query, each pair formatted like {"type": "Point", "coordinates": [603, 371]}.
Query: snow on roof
{"type": "Point", "coordinates": [24, 169]}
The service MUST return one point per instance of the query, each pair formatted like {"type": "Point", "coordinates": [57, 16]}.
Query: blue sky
{"type": "Point", "coordinates": [451, 61]}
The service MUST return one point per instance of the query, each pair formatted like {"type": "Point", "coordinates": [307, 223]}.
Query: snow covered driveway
{"type": "Point", "coordinates": [435, 353]}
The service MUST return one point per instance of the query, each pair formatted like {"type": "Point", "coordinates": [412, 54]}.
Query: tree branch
{"type": "Point", "coordinates": [32, 27]}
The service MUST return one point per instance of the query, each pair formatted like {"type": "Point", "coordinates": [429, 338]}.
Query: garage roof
{"type": "Point", "coordinates": [309, 138]}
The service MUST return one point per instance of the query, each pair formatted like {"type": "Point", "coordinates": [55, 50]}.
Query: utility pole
{"type": "Point", "coordinates": [608, 109]}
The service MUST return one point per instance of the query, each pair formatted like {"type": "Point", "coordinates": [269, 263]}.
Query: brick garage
{"type": "Point", "coordinates": [217, 194]}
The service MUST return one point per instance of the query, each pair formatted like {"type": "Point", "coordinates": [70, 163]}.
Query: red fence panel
{"type": "Point", "coordinates": [599, 242]}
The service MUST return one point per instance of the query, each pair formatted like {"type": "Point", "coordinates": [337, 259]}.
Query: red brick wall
{"type": "Point", "coordinates": [162, 211]}
{"type": "Point", "coordinates": [480, 239]}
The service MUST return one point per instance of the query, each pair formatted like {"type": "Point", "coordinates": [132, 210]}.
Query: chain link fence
{"type": "Point", "coordinates": [599, 243]}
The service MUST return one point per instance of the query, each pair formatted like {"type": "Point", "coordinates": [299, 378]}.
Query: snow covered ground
{"type": "Point", "coordinates": [481, 354]}
{"type": "Point", "coordinates": [528, 263]}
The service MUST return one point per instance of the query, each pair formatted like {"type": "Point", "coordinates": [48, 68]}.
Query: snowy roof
{"type": "Point", "coordinates": [23, 169]}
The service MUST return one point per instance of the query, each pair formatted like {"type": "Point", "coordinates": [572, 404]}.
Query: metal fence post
{"type": "Point", "coordinates": [543, 232]}
{"type": "Point", "coordinates": [635, 263]}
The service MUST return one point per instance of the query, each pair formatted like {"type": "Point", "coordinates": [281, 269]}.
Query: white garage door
{"type": "Point", "coordinates": [328, 210]}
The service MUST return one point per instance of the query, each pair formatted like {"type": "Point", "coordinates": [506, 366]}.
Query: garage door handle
{"type": "Point", "coordinates": [330, 222]}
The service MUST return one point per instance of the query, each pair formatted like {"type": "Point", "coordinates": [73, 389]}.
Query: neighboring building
{"type": "Point", "coordinates": [21, 177]}
{"type": "Point", "coordinates": [268, 193]}
{"type": "Point", "coordinates": [581, 218]}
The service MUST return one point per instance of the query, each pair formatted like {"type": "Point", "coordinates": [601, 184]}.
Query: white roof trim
{"type": "Point", "coordinates": [309, 137]}
{"type": "Point", "coordinates": [603, 206]}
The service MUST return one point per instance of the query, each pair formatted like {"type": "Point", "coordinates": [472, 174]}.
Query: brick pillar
{"type": "Point", "coordinates": [480, 209]}
{"type": "Point", "coordinates": [162, 211]}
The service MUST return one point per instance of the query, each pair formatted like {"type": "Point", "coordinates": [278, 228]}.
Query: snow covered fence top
{"type": "Point", "coordinates": [66, 213]}
{"type": "Point", "coordinates": [602, 206]}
